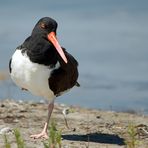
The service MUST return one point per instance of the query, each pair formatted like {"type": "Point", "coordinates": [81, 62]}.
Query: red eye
{"type": "Point", "coordinates": [42, 25]}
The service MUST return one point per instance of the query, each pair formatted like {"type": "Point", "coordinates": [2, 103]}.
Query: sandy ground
{"type": "Point", "coordinates": [88, 128]}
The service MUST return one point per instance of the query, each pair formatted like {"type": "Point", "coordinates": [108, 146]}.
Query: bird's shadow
{"type": "Point", "coordinates": [96, 137]}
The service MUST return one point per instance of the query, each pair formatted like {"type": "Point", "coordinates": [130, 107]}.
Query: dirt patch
{"type": "Point", "coordinates": [87, 127]}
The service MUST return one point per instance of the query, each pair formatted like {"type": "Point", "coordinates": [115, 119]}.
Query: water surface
{"type": "Point", "coordinates": [108, 38]}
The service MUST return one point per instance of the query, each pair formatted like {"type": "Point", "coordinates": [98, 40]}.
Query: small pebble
{"type": "Point", "coordinates": [5, 130]}
{"type": "Point", "coordinates": [65, 111]}
{"type": "Point", "coordinates": [98, 117]}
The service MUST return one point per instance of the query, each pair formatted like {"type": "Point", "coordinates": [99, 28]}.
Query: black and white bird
{"type": "Point", "coordinates": [41, 66]}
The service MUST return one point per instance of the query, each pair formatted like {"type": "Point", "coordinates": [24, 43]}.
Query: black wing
{"type": "Point", "coordinates": [65, 77]}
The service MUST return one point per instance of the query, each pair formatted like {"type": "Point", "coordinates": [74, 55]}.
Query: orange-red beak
{"type": "Point", "coordinates": [52, 38]}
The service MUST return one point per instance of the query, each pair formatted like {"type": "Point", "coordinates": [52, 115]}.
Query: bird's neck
{"type": "Point", "coordinates": [40, 50]}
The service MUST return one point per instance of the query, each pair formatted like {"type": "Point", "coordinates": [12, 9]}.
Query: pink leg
{"type": "Point", "coordinates": [44, 133]}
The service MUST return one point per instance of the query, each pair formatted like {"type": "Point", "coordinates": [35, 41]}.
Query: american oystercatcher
{"type": "Point", "coordinates": [41, 66]}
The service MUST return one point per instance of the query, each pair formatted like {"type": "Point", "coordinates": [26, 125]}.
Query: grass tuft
{"type": "Point", "coordinates": [19, 140]}
{"type": "Point", "coordinates": [7, 144]}
{"type": "Point", "coordinates": [55, 138]}
{"type": "Point", "coordinates": [132, 140]}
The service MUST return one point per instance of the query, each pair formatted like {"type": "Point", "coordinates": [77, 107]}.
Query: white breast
{"type": "Point", "coordinates": [31, 76]}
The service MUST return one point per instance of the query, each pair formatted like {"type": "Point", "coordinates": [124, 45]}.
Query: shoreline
{"type": "Point", "coordinates": [88, 127]}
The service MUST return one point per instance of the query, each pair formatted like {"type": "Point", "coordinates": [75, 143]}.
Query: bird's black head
{"type": "Point", "coordinates": [44, 26]}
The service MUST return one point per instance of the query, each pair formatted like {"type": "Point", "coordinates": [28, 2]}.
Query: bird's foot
{"type": "Point", "coordinates": [42, 135]}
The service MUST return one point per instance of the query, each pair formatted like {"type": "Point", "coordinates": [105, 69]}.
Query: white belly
{"type": "Point", "coordinates": [31, 76]}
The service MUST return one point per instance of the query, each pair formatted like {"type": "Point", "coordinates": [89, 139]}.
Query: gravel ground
{"type": "Point", "coordinates": [87, 128]}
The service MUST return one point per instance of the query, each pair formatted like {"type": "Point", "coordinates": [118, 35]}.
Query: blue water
{"type": "Point", "coordinates": [108, 38]}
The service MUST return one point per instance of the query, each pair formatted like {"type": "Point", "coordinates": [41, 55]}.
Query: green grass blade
{"type": "Point", "coordinates": [19, 140]}
{"type": "Point", "coordinates": [7, 144]}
